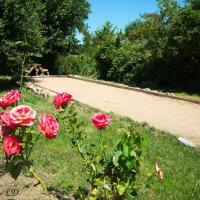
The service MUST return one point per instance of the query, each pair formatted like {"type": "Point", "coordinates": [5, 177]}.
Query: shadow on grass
{"type": "Point", "coordinates": [6, 83]}
{"type": "Point", "coordinates": [187, 93]}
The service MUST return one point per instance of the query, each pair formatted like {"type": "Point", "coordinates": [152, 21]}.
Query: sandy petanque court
{"type": "Point", "coordinates": [175, 116]}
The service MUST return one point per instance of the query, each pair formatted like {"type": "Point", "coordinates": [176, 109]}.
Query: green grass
{"type": "Point", "coordinates": [187, 94]}
{"type": "Point", "coordinates": [60, 166]}
{"type": "Point", "coordinates": [192, 96]}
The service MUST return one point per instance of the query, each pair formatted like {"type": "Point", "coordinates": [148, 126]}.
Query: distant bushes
{"type": "Point", "coordinates": [76, 64]}
{"type": "Point", "coordinates": [160, 49]}
{"type": "Point", "coordinates": [129, 64]}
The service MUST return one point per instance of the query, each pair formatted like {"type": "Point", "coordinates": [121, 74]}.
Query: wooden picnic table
{"type": "Point", "coordinates": [36, 70]}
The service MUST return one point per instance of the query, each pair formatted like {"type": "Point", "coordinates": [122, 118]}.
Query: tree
{"type": "Point", "coordinates": [195, 4]}
{"type": "Point", "coordinates": [61, 20]}
{"type": "Point", "coordinates": [20, 32]}
{"type": "Point", "coordinates": [39, 30]}
{"type": "Point", "coordinates": [104, 42]}
{"type": "Point", "coordinates": [131, 27]}
{"type": "Point", "coordinates": [183, 48]}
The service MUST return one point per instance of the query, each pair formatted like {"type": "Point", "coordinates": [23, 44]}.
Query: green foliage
{"type": "Point", "coordinates": [21, 33]}
{"type": "Point", "coordinates": [61, 20]}
{"type": "Point", "coordinates": [182, 50]}
{"type": "Point", "coordinates": [128, 64]}
{"type": "Point", "coordinates": [83, 64]}
{"type": "Point", "coordinates": [111, 175]}
{"type": "Point", "coordinates": [37, 31]}
{"type": "Point", "coordinates": [117, 180]}
{"type": "Point", "coordinates": [159, 49]}
{"type": "Point", "coordinates": [68, 64]}
{"type": "Point", "coordinates": [105, 44]}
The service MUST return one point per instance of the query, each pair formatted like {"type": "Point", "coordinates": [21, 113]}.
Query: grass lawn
{"type": "Point", "coordinates": [60, 166]}
{"type": "Point", "coordinates": [193, 96]}
{"type": "Point", "coordinates": [187, 94]}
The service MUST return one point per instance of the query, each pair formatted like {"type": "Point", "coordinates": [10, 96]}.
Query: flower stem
{"type": "Point", "coordinates": [79, 149]}
{"type": "Point", "coordinates": [102, 145]}
{"type": "Point", "coordinates": [100, 138]}
{"type": "Point", "coordinates": [40, 181]}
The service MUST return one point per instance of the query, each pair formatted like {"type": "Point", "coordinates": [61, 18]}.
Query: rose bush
{"type": "Point", "coordinates": [18, 135]}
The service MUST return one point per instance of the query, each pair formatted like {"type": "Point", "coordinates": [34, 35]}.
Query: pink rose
{"type": "Point", "coordinates": [11, 145]}
{"type": "Point", "coordinates": [159, 171]}
{"type": "Point", "coordinates": [22, 115]}
{"type": "Point", "coordinates": [62, 99]}
{"type": "Point", "coordinates": [101, 120]}
{"type": "Point", "coordinates": [48, 126]}
{"type": "Point", "coordinates": [6, 120]}
{"type": "Point", "coordinates": [1, 131]}
{"type": "Point", "coordinates": [9, 98]}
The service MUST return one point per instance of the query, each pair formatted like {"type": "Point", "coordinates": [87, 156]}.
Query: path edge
{"type": "Point", "coordinates": [121, 86]}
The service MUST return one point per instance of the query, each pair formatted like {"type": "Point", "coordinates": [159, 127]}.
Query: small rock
{"type": "Point", "coordinates": [186, 142]}
{"type": "Point", "coordinates": [38, 90]}
{"type": "Point", "coordinates": [170, 94]}
{"type": "Point", "coordinates": [147, 89]}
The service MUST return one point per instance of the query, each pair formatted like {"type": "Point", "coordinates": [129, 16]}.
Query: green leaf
{"type": "Point", "coordinates": [93, 167]}
{"type": "Point", "coordinates": [125, 150]}
{"type": "Point", "coordinates": [131, 164]}
{"type": "Point", "coordinates": [38, 55]}
{"type": "Point", "coordinates": [107, 187]}
{"type": "Point", "coordinates": [98, 182]}
{"type": "Point", "coordinates": [15, 170]}
{"type": "Point", "coordinates": [92, 198]}
{"type": "Point", "coordinates": [115, 158]}
{"type": "Point", "coordinates": [94, 192]}
{"type": "Point", "coordinates": [121, 190]}
{"type": "Point", "coordinates": [133, 153]}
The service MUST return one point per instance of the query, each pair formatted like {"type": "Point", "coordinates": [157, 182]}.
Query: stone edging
{"type": "Point", "coordinates": [122, 86]}
{"type": "Point", "coordinates": [32, 87]}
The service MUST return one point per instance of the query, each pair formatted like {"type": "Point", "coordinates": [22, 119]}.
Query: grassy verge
{"type": "Point", "coordinates": [187, 94]}
{"type": "Point", "coordinates": [61, 168]}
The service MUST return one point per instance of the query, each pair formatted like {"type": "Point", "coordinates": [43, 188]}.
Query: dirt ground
{"type": "Point", "coordinates": [22, 189]}
{"type": "Point", "coordinates": [175, 116]}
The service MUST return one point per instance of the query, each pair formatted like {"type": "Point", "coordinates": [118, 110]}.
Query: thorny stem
{"type": "Point", "coordinates": [31, 148]}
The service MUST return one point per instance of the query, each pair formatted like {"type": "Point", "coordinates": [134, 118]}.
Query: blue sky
{"type": "Point", "coordinates": [119, 12]}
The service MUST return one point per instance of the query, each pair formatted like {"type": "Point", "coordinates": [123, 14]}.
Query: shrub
{"type": "Point", "coordinates": [83, 65]}
{"type": "Point", "coordinates": [129, 64]}
{"type": "Point", "coordinates": [68, 64]}
{"type": "Point", "coordinates": [111, 175]}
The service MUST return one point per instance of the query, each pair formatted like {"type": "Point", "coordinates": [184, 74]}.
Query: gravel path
{"type": "Point", "coordinates": [175, 116]}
